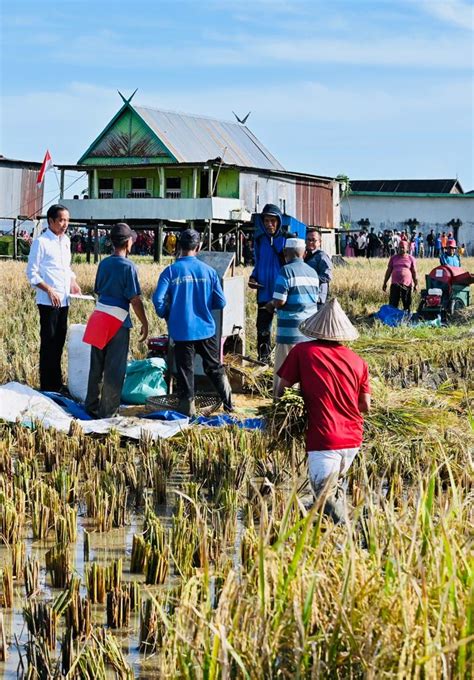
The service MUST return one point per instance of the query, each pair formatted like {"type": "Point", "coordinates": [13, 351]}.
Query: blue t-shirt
{"type": "Point", "coordinates": [297, 285]}
{"type": "Point", "coordinates": [451, 260]}
{"type": "Point", "coordinates": [185, 296]}
{"type": "Point", "coordinates": [116, 283]}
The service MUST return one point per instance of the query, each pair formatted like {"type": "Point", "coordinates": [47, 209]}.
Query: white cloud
{"type": "Point", "coordinates": [456, 12]}
{"type": "Point", "coordinates": [253, 49]}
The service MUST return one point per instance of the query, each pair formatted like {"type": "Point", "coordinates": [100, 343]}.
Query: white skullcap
{"type": "Point", "coordinates": [295, 243]}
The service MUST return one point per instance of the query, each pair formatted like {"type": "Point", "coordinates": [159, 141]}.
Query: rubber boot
{"type": "Point", "coordinates": [187, 407]}
{"type": "Point", "coordinates": [221, 383]}
{"type": "Point", "coordinates": [263, 347]}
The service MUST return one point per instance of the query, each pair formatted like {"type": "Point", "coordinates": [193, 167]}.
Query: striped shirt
{"type": "Point", "coordinates": [297, 285]}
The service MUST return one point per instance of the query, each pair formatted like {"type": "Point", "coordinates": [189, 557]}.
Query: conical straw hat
{"type": "Point", "coordinates": [329, 323]}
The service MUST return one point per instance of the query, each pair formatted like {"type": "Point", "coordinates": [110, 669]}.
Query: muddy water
{"type": "Point", "coordinates": [103, 548]}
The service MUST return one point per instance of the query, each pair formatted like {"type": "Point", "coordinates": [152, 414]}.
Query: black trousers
{"type": "Point", "coordinates": [53, 329]}
{"type": "Point", "coordinates": [399, 292]}
{"type": "Point", "coordinates": [185, 352]}
{"type": "Point", "coordinates": [264, 333]}
{"type": "Point", "coordinates": [107, 375]}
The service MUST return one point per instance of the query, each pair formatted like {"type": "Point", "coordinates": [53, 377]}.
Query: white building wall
{"type": "Point", "coordinates": [391, 212]}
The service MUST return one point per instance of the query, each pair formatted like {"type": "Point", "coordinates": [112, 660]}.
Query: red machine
{"type": "Point", "coordinates": [447, 290]}
{"type": "Point", "coordinates": [450, 276]}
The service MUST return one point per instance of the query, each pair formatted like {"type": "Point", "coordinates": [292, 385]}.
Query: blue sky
{"type": "Point", "coordinates": [370, 89]}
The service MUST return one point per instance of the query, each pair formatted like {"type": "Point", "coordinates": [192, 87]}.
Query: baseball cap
{"type": "Point", "coordinates": [122, 232]}
{"type": "Point", "coordinates": [189, 239]}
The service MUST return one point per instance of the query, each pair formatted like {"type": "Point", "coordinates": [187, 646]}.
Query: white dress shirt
{"type": "Point", "coordinates": [49, 262]}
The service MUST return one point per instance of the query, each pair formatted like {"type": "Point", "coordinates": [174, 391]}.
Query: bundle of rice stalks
{"type": "Point", "coordinates": [286, 418]}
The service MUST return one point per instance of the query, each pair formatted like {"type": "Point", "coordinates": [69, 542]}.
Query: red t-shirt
{"type": "Point", "coordinates": [331, 377]}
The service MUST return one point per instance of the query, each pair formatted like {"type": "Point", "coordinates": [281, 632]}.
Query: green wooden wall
{"type": "Point", "coordinates": [227, 182]}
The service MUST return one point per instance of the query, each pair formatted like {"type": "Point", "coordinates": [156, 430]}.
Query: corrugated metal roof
{"type": "Point", "coordinates": [197, 139]}
{"type": "Point", "coordinates": [19, 163]}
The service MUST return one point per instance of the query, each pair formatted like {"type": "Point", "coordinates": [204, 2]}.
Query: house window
{"type": "Point", "coordinates": [106, 187]}
{"type": "Point", "coordinates": [173, 187]}
{"type": "Point", "coordinates": [283, 205]}
{"type": "Point", "coordinates": [139, 188]}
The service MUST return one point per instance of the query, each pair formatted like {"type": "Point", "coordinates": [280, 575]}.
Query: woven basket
{"type": "Point", "coordinates": [205, 403]}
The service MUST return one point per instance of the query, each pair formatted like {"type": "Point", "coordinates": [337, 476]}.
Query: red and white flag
{"type": "Point", "coordinates": [47, 164]}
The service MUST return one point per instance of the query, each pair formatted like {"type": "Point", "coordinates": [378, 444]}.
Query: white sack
{"type": "Point", "coordinates": [78, 357]}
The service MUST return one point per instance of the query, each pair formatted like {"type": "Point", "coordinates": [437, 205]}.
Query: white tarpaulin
{"type": "Point", "coordinates": [20, 402]}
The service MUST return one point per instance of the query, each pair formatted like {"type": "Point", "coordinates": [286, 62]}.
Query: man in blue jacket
{"type": "Point", "coordinates": [269, 258]}
{"type": "Point", "coordinates": [187, 292]}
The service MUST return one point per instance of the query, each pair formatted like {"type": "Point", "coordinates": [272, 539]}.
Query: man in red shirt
{"type": "Point", "coordinates": [334, 382]}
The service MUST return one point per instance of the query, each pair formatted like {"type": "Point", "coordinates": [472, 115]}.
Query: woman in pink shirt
{"type": "Point", "coordinates": [402, 269]}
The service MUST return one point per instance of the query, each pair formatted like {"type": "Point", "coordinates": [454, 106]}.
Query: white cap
{"type": "Point", "coordinates": [295, 243]}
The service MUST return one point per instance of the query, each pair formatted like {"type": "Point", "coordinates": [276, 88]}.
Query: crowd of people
{"type": "Point", "coordinates": [386, 243]}
{"type": "Point", "coordinates": [144, 243]}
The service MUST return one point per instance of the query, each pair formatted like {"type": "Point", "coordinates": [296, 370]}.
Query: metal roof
{"type": "Point", "coordinates": [19, 163]}
{"type": "Point", "coordinates": [408, 186]}
{"type": "Point", "coordinates": [410, 194]}
{"type": "Point", "coordinates": [197, 139]}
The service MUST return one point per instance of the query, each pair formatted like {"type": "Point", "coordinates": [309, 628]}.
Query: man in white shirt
{"type": "Point", "coordinates": [49, 272]}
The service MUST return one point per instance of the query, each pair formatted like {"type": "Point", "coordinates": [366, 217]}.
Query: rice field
{"type": "Point", "coordinates": [196, 557]}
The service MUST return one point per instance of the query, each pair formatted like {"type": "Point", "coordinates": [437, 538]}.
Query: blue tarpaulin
{"type": "Point", "coordinates": [391, 316]}
{"type": "Point", "coordinates": [72, 407]}
{"type": "Point", "coordinates": [211, 421]}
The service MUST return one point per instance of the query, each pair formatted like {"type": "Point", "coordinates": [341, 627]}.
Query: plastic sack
{"type": "Point", "coordinates": [144, 379]}
{"type": "Point", "coordinates": [79, 358]}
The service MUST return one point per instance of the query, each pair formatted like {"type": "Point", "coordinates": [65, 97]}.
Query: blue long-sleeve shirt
{"type": "Point", "coordinates": [187, 292]}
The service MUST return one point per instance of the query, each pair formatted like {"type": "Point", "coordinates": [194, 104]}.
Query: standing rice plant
{"type": "Point", "coordinates": [58, 564]}
{"type": "Point", "coordinates": [157, 566]}
{"type": "Point", "coordinates": [100, 579]}
{"type": "Point", "coordinates": [40, 664]}
{"type": "Point", "coordinates": [11, 520]}
{"type": "Point", "coordinates": [31, 572]}
{"type": "Point", "coordinates": [65, 526]}
{"type": "Point", "coordinates": [26, 472]}
{"type": "Point", "coordinates": [7, 587]}
{"type": "Point", "coordinates": [41, 622]}
{"type": "Point", "coordinates": [18, 557]}
{"type": "Point", "coordinates": [66, 481]}
{"type": "Point", "coordinates": [118, 607]}
{"type": "Point", "coordinates": [6, 460]}
{"type": "Point", "coordinates": [41, 520]}
{"type": "Point", "coordinates": [78, 613]}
